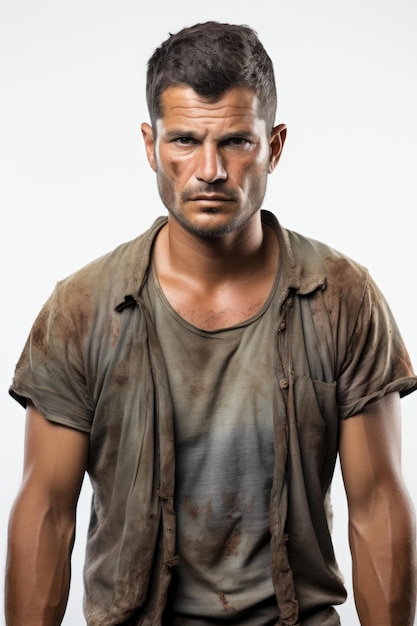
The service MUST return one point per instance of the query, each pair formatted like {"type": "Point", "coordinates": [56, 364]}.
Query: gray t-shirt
{"type": "Point", "coordinates": [221, 386]}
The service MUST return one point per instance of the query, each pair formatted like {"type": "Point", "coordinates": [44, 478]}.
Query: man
{"type": "Point", "coordinates": [206, 375]}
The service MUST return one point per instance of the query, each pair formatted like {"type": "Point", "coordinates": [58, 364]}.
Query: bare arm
{"type": "Point", "coordinates": [381, 517]}
{"type": "Point", "coordinates": [42, 523]}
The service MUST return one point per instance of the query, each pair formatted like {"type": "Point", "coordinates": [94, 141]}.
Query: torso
{"type": "Point", "coordinates": [222, 387]}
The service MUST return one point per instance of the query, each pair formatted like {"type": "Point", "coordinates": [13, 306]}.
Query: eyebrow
{"type": "Point", "coordinates": [178, 132]}
{"type": "Point", "coordinates": [236, 134]}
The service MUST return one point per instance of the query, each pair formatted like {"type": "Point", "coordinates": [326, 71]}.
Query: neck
{"type": "Point", "coordinates": [218, 282]}
{"type": "Point", "coordinates": [212, 259]}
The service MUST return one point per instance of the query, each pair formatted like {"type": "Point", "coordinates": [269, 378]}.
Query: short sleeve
{"type": "Point", "coordinates": [376, 360]}
{"type": "Point", "coordinates": [50, 372]}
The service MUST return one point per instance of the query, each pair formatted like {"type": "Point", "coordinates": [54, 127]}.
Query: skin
{"type": "Point", "coordinates": [214, 260]}
{"type": "Point", "coordinates": [42, 523]}
{"type": "Point", "coordinates": [381, 517]}
{"type": "Point", "coordinates": [212, 159]}
{"type": "Point", "coordinates": [216, 264]}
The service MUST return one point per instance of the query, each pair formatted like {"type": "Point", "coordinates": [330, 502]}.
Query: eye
{"type": "Point", "coordinates": [184, 141]}
{"type": "Point", "coordinates": [240, 143]}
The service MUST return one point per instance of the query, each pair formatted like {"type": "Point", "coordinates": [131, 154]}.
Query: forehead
{"type": "Point", "coordinates": [240, 105]}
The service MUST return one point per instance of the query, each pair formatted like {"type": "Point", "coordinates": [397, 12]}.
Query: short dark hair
{"type": "Point", "coordinates": [212, 58]}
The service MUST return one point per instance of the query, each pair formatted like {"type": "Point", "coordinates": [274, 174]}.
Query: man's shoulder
{"type": "Point", "coordinates": [119, 271]}
{"type": "Point", "coordinates": [344, 280]}
{"type": "Point", "coordinates": [311, 264]}
{"type": "Point", "coordinates": [318, 254]}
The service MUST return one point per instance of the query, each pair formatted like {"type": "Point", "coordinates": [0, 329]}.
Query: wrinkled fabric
{"type": "Point", "coordinates": [222, 390]}
{"type": "Point", "coordinates": [93, 362]}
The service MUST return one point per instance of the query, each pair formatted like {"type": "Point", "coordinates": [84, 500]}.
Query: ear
{"type": "Point", "coordinates": [278, 136]}
{"type": "Point", "coordinates": [147, 135]}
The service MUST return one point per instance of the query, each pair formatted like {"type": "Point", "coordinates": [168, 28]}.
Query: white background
{"type": "Point", "coordinates": [75, 182]}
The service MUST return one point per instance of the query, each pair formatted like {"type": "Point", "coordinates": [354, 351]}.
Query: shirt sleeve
{"type": "Point", "coordinates": [50, 372]}
{"type": "Point", "coordinates": [376, 360]}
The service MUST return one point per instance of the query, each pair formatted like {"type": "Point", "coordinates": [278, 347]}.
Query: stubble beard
{"type": "Point", "coordinates": [211, 229]}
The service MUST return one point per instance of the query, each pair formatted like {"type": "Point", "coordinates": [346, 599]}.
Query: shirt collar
{"type": "Point", "coordinates": [301, 264]}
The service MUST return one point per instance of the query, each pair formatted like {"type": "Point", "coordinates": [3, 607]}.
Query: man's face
{"type": "Point", "coordinates": [212, 158]}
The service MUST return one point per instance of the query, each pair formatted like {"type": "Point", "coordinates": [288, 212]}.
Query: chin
{"type": "Point", "coordinates": [211, 224]}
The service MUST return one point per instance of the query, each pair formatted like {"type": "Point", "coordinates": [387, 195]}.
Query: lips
{"type": "Point", "coordinates": [210, 199]}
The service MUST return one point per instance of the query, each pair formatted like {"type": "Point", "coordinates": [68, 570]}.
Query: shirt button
{"type": "Point", "coordinates": [284, 383]}
{"type": "Point", "coordinates": [282, 326]}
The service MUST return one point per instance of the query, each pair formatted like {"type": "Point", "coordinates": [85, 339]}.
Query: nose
{"type": "Point", "coordinates": [210, 166]}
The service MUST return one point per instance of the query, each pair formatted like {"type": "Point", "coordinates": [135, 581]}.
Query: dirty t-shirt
{"type": "Point", "coordinates": [93, 362]}
{"type": "Point", "coordinates": [221, 386]}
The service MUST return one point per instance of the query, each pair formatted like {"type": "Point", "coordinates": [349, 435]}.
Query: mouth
{"type": "Point", "coordinates": [210, 198]}
{"type": "Point", "coordinates": [211, 204]}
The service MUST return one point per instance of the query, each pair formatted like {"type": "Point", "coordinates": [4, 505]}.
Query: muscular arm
{"type": "Point", "coordinates": [42, 523]}
{"type": "Point", "coordinates": [381, 517]}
